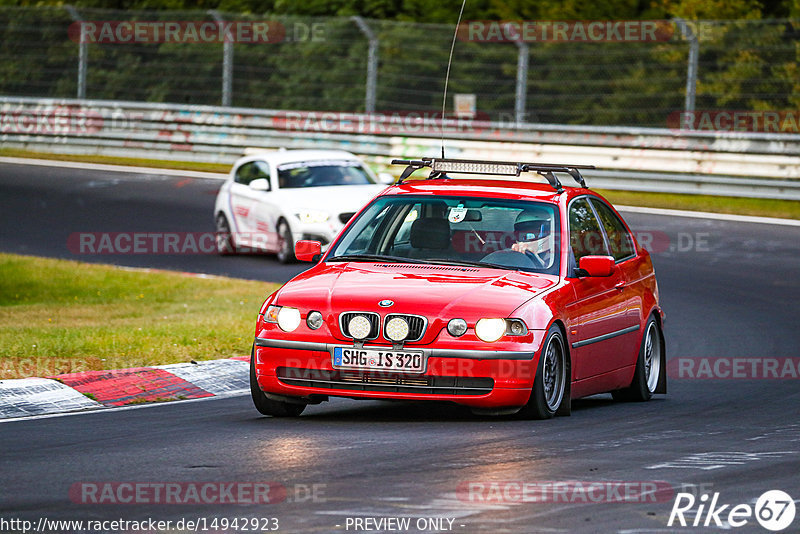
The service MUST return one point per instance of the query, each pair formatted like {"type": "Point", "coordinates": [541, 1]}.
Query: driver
{"type": "Point", "coordinates": [532, 228]}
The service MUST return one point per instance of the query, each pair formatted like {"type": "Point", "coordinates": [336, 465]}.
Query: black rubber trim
{"type": "Point", "coordinates": [605, 336]}
{"type": "Point", "coordinates": [435, 353]}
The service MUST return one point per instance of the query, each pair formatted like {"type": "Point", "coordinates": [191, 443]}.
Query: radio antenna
{"type": "Point", "coordinates": [449, 61]}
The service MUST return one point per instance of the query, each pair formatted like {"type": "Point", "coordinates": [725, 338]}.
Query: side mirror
{"type": "Point", "coordinates": [260, 184]}
{"type": "Point", "coordinates": [596, 266]}
{"type": "Point", "coordinates": [385, 178]}
{"type": "Point", "coordinates": [308, 250]}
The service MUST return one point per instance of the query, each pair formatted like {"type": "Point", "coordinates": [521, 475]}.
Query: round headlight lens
{"type": "Point", "coordinates": [314, 320]}
{"type": "Point", "coordinates": [457, 327]}
{"type": "Point", "coordinates": [359, 327]}
{"type": "Point", "coordinates": [288, 318]}
{"type": "Point", "coordinates": [490, 330]}
{"type": "Point", "coordinates": [397, 329]}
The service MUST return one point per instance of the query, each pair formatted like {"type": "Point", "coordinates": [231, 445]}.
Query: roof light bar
{"type": "Point", "coordinates": [475, 167]}
{"type": "Point", "coordinates": [441, 166]}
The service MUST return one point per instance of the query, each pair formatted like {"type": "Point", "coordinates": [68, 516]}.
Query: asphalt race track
{"type": "Point", "coordinates": [729, 290]}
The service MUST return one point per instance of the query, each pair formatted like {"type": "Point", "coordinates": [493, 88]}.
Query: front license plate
{"type": "Point", "coordinates": [405, 361]}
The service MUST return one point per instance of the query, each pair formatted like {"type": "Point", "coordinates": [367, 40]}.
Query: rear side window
{"type": "Point", "coordinates": [585, 235]}
{"type": "Point", "coordinates": [252, 171]}
{"type": "Point", "coordinates": [619, 240]}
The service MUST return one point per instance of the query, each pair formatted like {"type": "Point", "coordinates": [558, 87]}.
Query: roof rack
{"type": "Point", "coordinates": [441, 166]}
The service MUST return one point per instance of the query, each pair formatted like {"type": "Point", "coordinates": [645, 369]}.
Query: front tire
{"type": "Point", "coordinates": [286, 250]}
{"type": "Point", "coordinates": [224, 237]}
{"type": "Point", "coordinates": [550, 384]}
{"type": "Point", "coordinates": [265, 405]}
{"type": "Point", "coordinates": [648, 367]}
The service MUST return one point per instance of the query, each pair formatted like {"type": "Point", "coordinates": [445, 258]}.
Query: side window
{"type": "Point", "coordinates": [585, 235]}
{"type": "Point", "coordinates": [619, 240]}
{"type": "Point", "coordinates": [252, 171]}
{"type": "Point", "coordinates": [245, 174]}
{"type": "Point", "coordinates": [404, 233]}
{"type": "Point", "coordinates": [262, 171]}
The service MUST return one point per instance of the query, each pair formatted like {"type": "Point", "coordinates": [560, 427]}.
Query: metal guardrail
{"type": "Point", "coordinates": [644, 159]}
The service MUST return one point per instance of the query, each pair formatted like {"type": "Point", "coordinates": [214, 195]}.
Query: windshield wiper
{"type": "Point", "coordinates": [375, 257]}
{"type": "Point", "coordinates": [469, 263]}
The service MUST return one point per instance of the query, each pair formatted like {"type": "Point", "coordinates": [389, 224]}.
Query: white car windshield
{"type": "Point", "coordinates": [510, 234]}
{"type": "Point", "coordinates": [320, 173]}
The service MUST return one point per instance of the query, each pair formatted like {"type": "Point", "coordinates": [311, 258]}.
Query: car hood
{"type": "Point", "coordinates": [334, 199]}
{"type": "Point", "coordinates": [424, 289]}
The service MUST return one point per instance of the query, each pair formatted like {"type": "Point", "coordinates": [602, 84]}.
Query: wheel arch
{"type": "Point", "coordinates": [566, 403]}
{"type": "Point", "coordinates": [661, 387]}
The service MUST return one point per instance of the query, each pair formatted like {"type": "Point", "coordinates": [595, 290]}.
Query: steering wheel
{"type": "Point", "coordinates": [512, 258]}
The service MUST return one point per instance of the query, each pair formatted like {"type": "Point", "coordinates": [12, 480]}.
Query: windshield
{"type": "Point", "coordinates": [321, 173]}
{"type": "Point", "coordinates": [453, 230]}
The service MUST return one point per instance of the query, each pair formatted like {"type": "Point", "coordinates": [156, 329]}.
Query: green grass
{"type": "Point", "coordinates": [764, 207]}
{"type": "Point", "coordinates": [61, 316]}
{"type": "Point", "coordinates": [113, 160]}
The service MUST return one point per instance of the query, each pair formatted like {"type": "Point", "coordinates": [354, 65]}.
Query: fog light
{"type": "Point", "coordinates": [288, 318]}
{"type": "Point", "coordinates": [397, 329]}
{"type": "Point", "coordinates": [516, 328]}
{"type": "Point", "coordinates": [314, 320]}
{"type": "Point", "coordinates": [359, 327]}
{"type": "Point", "coordinates": [457, 327]}
{"type": "Point", "coordinates": [490, 330]}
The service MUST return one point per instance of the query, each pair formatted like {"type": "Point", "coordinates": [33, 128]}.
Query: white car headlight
{"type": "Point", "coordinates": [288, 318]}
{"type": "Point", "coordinates": [490, 330]}
{"type": "Point", "coordinates": [359, 327]}
{"type": "Point", "coordinates": [397, 329]}
{"type": "Point", "coordinates": [312, 216]}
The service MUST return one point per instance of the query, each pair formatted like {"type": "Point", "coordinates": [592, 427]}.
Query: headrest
{"type": "Point", "coordinates": [430, 232]}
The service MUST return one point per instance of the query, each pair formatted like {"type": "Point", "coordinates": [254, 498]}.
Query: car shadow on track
{"type": "Point", "coordinates": [377, 411]}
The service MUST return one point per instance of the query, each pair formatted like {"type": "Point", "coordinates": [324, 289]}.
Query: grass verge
{"type": "Point", "coordinates": [113, 160]}
{"type": "Point", "coordinates": [60, 316]}
{"type": "Point", "coordinates": [763, 207]}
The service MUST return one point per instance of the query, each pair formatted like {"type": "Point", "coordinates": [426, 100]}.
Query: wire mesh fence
{"type": "Point", "coordinates": [324, 64]}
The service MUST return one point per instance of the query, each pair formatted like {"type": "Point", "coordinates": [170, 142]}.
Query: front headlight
{"type": "Point", "coordinates": [490, 330]}
{"type": "Point", "coordinates": [312, 216]}
{"type": "Point", "coordinates": [287, 318]}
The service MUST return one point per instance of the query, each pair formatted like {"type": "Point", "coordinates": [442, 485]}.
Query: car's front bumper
{"type": "Point", "coordinates": [474, 377]}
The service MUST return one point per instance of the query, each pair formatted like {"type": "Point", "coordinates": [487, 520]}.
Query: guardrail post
{"type": "Point", "coordinates": [227, 63]}
{"type": "Point", "coordinates": [691, 74]}
{"type": "Point", "coordinates": [522, 82]}
{"type": "Point", "coordinates": [83, 54]}
{"type": "Point", "coordinates": [372, 63]}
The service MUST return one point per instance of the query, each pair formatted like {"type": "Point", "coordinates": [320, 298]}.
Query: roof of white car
{"type": "Point", "coordinates": [278, 157]}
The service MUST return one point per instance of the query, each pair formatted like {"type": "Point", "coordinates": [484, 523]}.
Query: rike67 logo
{"type": "Point", "coordinates": [774, 510]}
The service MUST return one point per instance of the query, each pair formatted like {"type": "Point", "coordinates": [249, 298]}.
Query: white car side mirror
{"type": "Point", "coordinates": [260, 184]}
{"type": "Point", "coordinates": [385, 178]}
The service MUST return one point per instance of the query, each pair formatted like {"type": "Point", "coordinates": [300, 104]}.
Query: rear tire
{"type": "Point", "coordinates": [266, 405]}
{"type": "Point", "coordinates": [286, 250]}
{"type": "Point", "coordinates": [224, 237]}
{"type": "Point", "coordinates": [550, 384]}
{"type": "Point", "coordinates": [648, 367]}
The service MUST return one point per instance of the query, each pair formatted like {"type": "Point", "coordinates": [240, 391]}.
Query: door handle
{"type": "Point", "coordinates": [620, 285]}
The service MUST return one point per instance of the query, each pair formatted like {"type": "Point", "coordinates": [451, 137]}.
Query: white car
{"type": "Point", "coordinates": [273, 199]}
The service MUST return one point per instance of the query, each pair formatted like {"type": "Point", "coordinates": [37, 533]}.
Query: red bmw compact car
{"type": "Point", "coordinates": [500, 294]}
